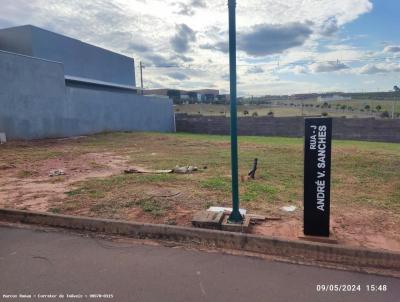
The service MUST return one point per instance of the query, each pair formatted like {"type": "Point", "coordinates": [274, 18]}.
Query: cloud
{"type": "Point", "coordinates": [328, 67]}
{"type": "Point", "coordinates": [199, 3]}
{"type": "Point", "coordinates": [160, 61]}
{"type": "Point", "coordinates": [379, 68]}
{"type": "Point", "coordinates": [392, 48]}
{"type": "Point", "coordinates": [267, 39]}
{"type": "Point", "coordinates": [182, 39]}
{"type": "Point", "coordinates": [296, 69]}
{"type": "Point", "coordinates": [182, 58]}
{"type": "Point", "coordinates": [255, 69]}
{"type": "Point", "coordinates": [5, 23]}
{"type": "Point", "coordinates": [177, 75]}
{"type": "Point", "coordinates": [137, 46]}
{"type": "Point", "coordinates": [188, 9]}
{"type": "Point", "coordinates": [218, 46]}
{"type": "Point", "coordinates": [329, 27]}
{"type": "Point", "coordinates": [185, 10]}
{"type": "Point", "coordinates": [152, 31]}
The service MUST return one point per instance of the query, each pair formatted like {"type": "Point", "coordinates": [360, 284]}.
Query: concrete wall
{"type": "Point", "coordinates": [343, 128]}
{"type": "Point", "coordinates": [97, 109]}
{"type": "Point", "coordinates": [80, 59]}
{"type": "Point", "coordinates": [35, 102]}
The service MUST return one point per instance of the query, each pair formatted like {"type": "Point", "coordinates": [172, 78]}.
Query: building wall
{"type": "Point", "coordinates": [343, 128]}
{"type": "Point", "coordinates": [16, 39]}
{"type": "Point", "coordinates": [97, 109]}
{"type": "Point", "coordinates": [80, 59]}
{"type": "Point", "coordinates": [35, 102]}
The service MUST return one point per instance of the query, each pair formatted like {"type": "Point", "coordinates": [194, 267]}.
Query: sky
{"type": "Point", "coordinates": [284, 46]}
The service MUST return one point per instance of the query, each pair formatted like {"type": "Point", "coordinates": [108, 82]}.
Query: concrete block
{"type": "Point", "coordinates": [331, 240]}
{"type": "Point", "coordinates": [208, 220]}
{"type": "Point", "coordinates": [236, 227]}
{"type": "Point", "coordinates": [3, 138]}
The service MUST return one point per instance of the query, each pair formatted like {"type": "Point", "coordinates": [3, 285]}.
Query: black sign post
{"type": "Point", "coordinates": [317, 176]}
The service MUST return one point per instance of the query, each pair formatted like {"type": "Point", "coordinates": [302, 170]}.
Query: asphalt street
{"type": "Point", "coordinates": [40, 264]}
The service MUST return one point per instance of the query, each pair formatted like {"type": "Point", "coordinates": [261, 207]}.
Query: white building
{"type": "Point", "coordinates": [332, 98]}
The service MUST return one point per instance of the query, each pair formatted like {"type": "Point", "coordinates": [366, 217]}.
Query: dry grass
{"type": "Point", "coordinates": [365, 181]}
{"type": "Point", "coordinates": [364, 174]}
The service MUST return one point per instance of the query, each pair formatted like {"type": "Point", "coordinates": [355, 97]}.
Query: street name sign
{"type": "Point", "coordinates": [317, 176]}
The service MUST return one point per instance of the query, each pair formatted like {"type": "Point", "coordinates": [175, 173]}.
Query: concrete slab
{"type": "Point", "coordinates": [3, 138]}
{"type": "Point", "coordinates": [208, 220]}
{"type": "Point", "coordinates": [332, 239]}
{"type": "Point", "coordinates": [236, 227]}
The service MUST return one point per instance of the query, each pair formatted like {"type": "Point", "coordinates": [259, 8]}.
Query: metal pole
{"type": "Point", "coordinates": [141, 76]}
{"type": "Point", "coordinates": [235, 216]}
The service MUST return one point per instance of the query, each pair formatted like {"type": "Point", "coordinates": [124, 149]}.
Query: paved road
{"type": "Point", "coordinates": [36, 262]}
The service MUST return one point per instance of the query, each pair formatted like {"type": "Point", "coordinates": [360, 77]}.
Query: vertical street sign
{"type": "Point", "coordinates": [317, 176]}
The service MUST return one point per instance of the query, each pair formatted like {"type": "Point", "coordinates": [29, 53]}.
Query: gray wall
{"type": "Point", "coordinates": [80, 59]}
{"type": "Point", "coordinates": [343, 128]}
{"type": "Point", "coordinates": [35, 102]}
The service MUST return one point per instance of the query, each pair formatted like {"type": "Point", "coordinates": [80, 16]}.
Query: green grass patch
{"type": "Point", "coordinates": [152, 206]}
{"type": "Point", "coordinates": [216, 183]}
{"type": "Point", "coordinates": [256, 191]}
{"type": "Point", "coordinates": [26, 174]}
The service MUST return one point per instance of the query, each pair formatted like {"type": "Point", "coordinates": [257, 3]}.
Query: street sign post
{"type": "Point", "coordinates": [317, 176]}
{"type": "Point", "coordinates": [235, 216]}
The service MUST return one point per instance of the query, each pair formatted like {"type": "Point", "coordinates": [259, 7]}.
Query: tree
{"type": "Point", "coordinates": [246, 112]}
{"type": "Point", "coordinates": [255, 114]}
{"type": "Point", "coordinates": [271, 114]}
{"type": "Point", "coordinates": [367, 107]}
{"type": "Point", "coordinates": [378, 107]}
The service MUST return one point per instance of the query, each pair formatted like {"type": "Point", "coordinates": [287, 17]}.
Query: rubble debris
{"type": "Point", "coordinates": [177, 170]}
{"type": "Point", "coordinates": [142, 170]}
{"type": "Point", "coordinates": [57, 172]}
{"type": "Point", "coordinates": [225, 210]}
{"type": "Point", "coordinates": [289, 208]}
{"type": "Point", "coordinates": [252, 172]}
{"type": "Point", "coordinates": [185, 169]}
{"type": "Point", "coordinates": [257, 217]}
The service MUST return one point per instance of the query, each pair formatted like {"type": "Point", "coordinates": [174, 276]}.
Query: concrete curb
{"type": "Point", "coordinates": [299, 250]}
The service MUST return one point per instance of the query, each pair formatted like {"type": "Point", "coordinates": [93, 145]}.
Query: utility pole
{"type": "Point", "coordinates": [141, 75]}
{"type": "Point", "coordinates": [393, 107]}
{"type": "Point", "coordinates": [235, 216]}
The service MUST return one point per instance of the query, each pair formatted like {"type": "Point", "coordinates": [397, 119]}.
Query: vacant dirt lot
{"type": "Point", "coordinates": [365, 202]}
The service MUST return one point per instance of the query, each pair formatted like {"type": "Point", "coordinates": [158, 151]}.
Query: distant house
{"type": "Point", "coordinates": [188, 96]}
{"type": "Point", "coordinates": [333, 98]}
